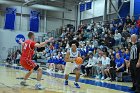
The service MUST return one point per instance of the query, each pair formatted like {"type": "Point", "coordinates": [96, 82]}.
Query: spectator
{"type": "Point", "coordinates": [91, 63]}
{"type": "Point", "coordinates": [128, 21]}
{"type": "Point", "coordinates": [109, 72]}
{"type": "Point", "coordinates": [138, 22]}
{"type": "Point", "coordinates": [134, 30]}
{"type": "Point", "coordinates": [133, 21]}
{"type": "Point", "coordinates": [18, 57]}
{"type": "Point", "coordinates": [117, 37]}
{"type": "Point", "coordinates": [119, 63]}
{"type": "Point", "coordinates": [105, 61]}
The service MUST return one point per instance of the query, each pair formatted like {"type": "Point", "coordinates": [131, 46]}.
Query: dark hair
{"type": "Point", "coordinates": [30, 34]}
{"type": "Point", "coordinates": [73, 42]}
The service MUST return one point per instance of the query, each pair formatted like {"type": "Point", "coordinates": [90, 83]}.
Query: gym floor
{"type": "Point", "coordinates": [10, 79]}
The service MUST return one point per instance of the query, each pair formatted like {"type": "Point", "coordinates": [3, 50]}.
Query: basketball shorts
{"type": "Point", "coordinates": [28, 64]}
{"type": "Point", "coordinates": [70, 67]}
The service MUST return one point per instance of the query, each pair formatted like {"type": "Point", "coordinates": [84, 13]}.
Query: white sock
{"type": "Point", "coordinates": [24, 80]}
{"type": "Point", "coordinates": [38, 82]}
{"type": "Point", "coordinates": [75, 82]}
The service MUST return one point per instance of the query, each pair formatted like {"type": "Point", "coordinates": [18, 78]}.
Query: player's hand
{"type": "Point", "coordinates": [138, 65]}
{"type": "Point", "coordinates": [117, 69]}
{"type": "Point", "coordinates": [20, 41]}
{"type": "Point", "coordinates": [50, 40]}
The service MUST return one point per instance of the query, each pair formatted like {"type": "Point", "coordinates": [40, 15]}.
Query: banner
{"type": "Point", "coordinates": [18, 37]}
{"type": "Point", "coordinates": [88, 5]}
{"type": "Point", "coordinates": [34, 21]}
{"type": "Point", "coordinates": [10, 18]}
{"type": "Point", "coordinates": [82, 7]}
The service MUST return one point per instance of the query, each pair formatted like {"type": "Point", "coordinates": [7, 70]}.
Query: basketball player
{"type": "Point", "coordinates": [71, 66]}
{"type": "Point", "coordinates": [26, 58]}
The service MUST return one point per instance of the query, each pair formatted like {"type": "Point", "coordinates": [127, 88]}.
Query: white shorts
{"type": "Point", "coordinates": [70, 67]}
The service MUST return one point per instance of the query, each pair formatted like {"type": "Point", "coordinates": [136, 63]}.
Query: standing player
{"type": "Point", "coordinates": [71, 66]}
{"type": "Point", "coordinates": [26, 58]}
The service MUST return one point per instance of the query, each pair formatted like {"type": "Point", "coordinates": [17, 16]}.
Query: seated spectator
{"type": "Point", "coordinates": [109, 71]}
{"type": "Point", "coordinates": [117, 37]}
{"type": "Point", "coordinates": [138, 22]}
{"type": "Point", "coordinates": [128, 21]}
{"type": "Point", "coordinates": [125, 34]}
{"type": "Point", "coordinates": [105, 61]}
{"type": "Point", "coordinates": [91, 63]}
{"type": "Point", "coordinates": [119, 61]}
{"type": "Point", "coordinates": [133, 21]}
{"type": "Point", "coordinates": [127, 61]}
{"type": "Point", "coordinates": [134, 30]}
{"type": "Point", "coordinates": [18, 57]}
{"type": "Point", "coordinates": [120, 28]}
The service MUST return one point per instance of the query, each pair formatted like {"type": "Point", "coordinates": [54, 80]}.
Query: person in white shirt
{"type": "Point", "coordinates": [117, 37]}
{"type": "Point", "coordinates": [102, 65]}
{"type": "Point", "coordinates": [91, 63]}
{"type": "Point", "coordinates": [105, 64]}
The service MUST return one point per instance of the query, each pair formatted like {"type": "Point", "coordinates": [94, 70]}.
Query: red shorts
{"type": "Point", "coordinates": [27, 64]}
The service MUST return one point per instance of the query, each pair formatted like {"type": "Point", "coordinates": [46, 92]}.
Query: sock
{"type": "Point", "coordinates": [75, 82]}
{"type": "Point", "coordinates": [38, 82]}
{"type": "Point", "coordinates": [24, 80]}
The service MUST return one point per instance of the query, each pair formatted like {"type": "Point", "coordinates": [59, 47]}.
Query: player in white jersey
{"type": "Point", "coordinates": [71, 66]}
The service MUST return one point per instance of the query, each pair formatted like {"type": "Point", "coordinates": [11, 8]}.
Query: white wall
{"type": "Point", "coordinates": [54, 18]}
{"type": "Point", "coordinates": [7, 40]}
{"type": "Point", "coordinates": [98, 9]}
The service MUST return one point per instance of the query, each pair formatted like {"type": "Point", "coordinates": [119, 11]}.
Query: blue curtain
{"type": "Point", "coordinates": [82, 7]}
{"type": "Point", "coordinates": [88, 5]}
{"type": "Point", "coordinates": [136, 8]}
{"type": "Point", "coordinates": [125, 10]}
{"type": "Point", "coordinates": [34, 21]}
{"type": "Point", "coordinates": [10, 18]}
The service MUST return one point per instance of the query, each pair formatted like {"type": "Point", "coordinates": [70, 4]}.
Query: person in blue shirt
{"type": "Point", "coordinates": [117, 50]}
{"type": "Point", "coordinates": [119, 63]}
{"type": "Point", "coordinates": [134, 30]}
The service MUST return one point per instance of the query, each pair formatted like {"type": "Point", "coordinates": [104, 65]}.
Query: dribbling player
{"type": "Point", "coordinates": [71, 66]}
{"type": "Point", "coordinates": [26, 59]}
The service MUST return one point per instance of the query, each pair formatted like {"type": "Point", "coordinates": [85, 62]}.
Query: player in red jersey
{"type": "Point", "coordinates": [26, 58]}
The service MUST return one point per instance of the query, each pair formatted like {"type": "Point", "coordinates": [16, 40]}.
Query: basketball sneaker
{"type": "Point", "coordinates": [38, 87]}
{"type": "Point", "coordinates": [23, 83]}
{"type": "Point", "coordinates": [76, 85]}
{"type": "Point", "coordinates": [66, 82]}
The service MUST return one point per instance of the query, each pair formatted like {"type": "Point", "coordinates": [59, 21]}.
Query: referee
{"type": "Point", "coordinates": [135, 64]}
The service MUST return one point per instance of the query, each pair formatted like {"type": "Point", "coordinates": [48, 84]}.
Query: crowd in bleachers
{"type": "Point", "coordinates": [104, 47]}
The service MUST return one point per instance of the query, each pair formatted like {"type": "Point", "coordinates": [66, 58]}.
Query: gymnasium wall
{"type": "Point", "coordinates": [7, 40]}
{"type": "Point", "coordinates": [54, 19]}
{"type": "Point", "coordinates": [98, 9]}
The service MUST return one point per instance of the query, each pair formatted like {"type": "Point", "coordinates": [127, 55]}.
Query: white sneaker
{"type": "Point", "coordinates": [107, 79]}
{"type": "Point", "coordinates": [102, 78]}
{"type": "Point", "coordinates": [97, 76]}
{"type": "Point", "coordinates": [38, 87]}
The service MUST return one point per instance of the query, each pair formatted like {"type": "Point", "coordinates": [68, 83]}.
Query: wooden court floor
{"type": "Point", "coordinates": [10, 83]}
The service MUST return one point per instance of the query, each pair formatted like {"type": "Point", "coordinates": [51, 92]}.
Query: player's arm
{"type": "Point", "coordinates": [79, 55]}
{"type": "Point", "coordinates": [21, 42]}
{"type": "Point", "coordinates": [67, 58]}
{"type": "Point", "coordinates": [44, 43]}
{"type": "Point", "coordinates": [41, 44]}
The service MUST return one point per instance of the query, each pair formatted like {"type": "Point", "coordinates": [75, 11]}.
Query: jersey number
{"type": "Point", "coordinates": [25, 46]}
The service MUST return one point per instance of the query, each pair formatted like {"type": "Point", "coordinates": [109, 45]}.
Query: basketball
{"type": "Point", "coordinates": [79, 60]}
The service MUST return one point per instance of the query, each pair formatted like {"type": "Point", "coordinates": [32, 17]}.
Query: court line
{"type": "Point", "coordinates": [87, 81]}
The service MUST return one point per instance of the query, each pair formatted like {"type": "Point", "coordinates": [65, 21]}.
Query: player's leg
{"type": "Point", "coordinates": [23, 83]}
{"type": "Point", "coordinates": [77, 72]}
{"type": "Point", "coordinates": [39, 76]}
{"type": "Point", "coordinates": [67, 71]}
